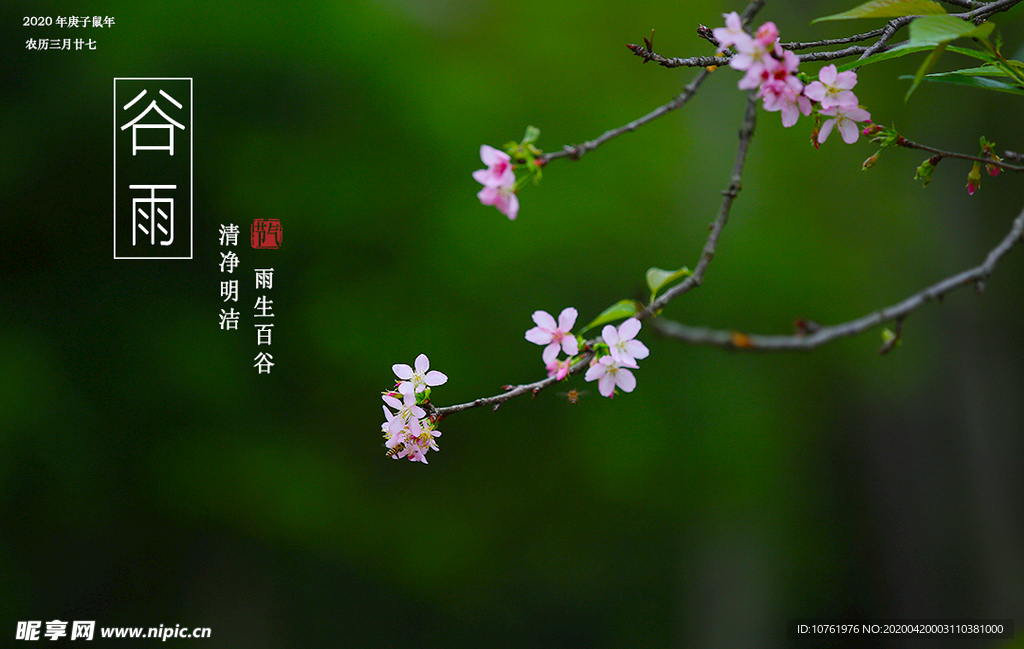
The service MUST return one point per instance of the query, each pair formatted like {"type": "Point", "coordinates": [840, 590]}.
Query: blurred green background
{"type": "Point", "coordinates": [149, 476]}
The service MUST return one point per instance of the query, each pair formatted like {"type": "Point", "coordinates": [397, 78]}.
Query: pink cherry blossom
{"type": "Point", "coordinates": [417, 442]}
{"type": "Point", "coordinates": [783, 91]}
{"type": "Point", "coordinates": [781, 96]}
{"type": "Point", "coordinates": [499, 168]}
{"type": "Point", "coordinates": [732, 33]}
{"type": "Point", "coordinates": [623, 348]}
{"type": "Point", "coordinates": [749, 54]}
{"type": "Point", "coordinates": [413, 440]}
{"type": "Point", "coordinates": [405, 410]}
{"type": "Point", "coordinates": [832, 88]}
{"type": "Point", "coordinates": [503, 198]}
{"type": "Point", "coordinates": [609, 375]}
{"type": "Point", "coordinates": [555, 366]}
{"type": "Point", "coordinates": [767, 34]}
{"type": "Point", "coordinates": [419, 378]}
{"type": "Point", "coordinates": [554, 335]}
{"type": "Point", "coordinates": [844, 118]}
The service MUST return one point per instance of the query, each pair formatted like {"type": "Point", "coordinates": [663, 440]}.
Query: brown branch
{"type": "Point", "coordinates": [512, 391]}
{"type": "Point", "coordinates": [896, 312]}
{"type": "Point", "coordinates": [856, 38]}
{"type": "Point", "coordinates": [576, 151]}
{"type": "Point", "coordinates": [978, 13]}
{"type": "Point", "coordinates": [909, 144]}
{"type": "Point", "coordinates": [733, 339]}
{"type": "Point", "coordinates": [745, 135]}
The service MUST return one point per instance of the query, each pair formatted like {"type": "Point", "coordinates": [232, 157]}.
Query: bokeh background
{"type": "Point", "coordinates": [149, 476]}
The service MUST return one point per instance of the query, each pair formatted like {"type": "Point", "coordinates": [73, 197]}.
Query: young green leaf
{"type": "Point", "coordinates": [905, 48]}
{"type": "Point", "coordinates": [658, 279]}
{"type": "Point", "coordinates": [965, 78]}
{"type": "Point", "coordinates": [888, 9]}
{"type": "Point", "coordinates": [980, 71]}
{"type": "Point", "coordinates": [940, 30]}
{"type": "Point", "coordinates": [928, 64]}
{"type": "Point", "coordinates": [943, 29]}
{"type": "Point", "coordinates": [618, 311]}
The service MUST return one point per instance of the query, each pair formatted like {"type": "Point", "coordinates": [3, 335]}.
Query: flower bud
{"type": "Point", "coordinates": [992, 169]}
{"type": "Point", "coordinates": [924, 172]}
{"type": "Point", "coordinates": [974, 178]}
{"type": "Point", "coordinates": [872, 130]}
{"type": "Point", "coordinates": [870, 162]}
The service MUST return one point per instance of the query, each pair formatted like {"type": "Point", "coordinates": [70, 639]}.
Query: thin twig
{"type": "Point", "coordinates": [856, 38]}
{"type": "Point", "coordinates": [966, 4]}
{"type": "Point", "coordinates": [896, 312]}
{"type": "Point", "coordinates": [726, 338]}
{"type": "Point", "coordinates": [512, 392]}
{"type": "Point", "coordinates": [576, 151]}
{"type": "Point", "coordinates": [904, 142]}
{"type": "Point", "coordinates": [729, 194]}
{"type": "Point", "coordinates": [985, 11]}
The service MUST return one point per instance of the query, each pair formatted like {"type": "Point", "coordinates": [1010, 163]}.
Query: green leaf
{"type": "Point", "coordinates": [964, 78]}
{"type": "Point", "coordinates": [888, 9]}
{"type": "Point", "coordinates": [618, 311]}
{"type": "Point", "coordinates": [905, 48]}
{"type": "Point", "coordinates": [531, 135]}
{"type": "Point", "coordinates": [658, 279]}
{"type": "Point", "coordinates": [980, 71]}
{"type": "Point", "coordinates": [943, 29]}
{"type": "Point", "coordinates": [940, 30]}
{"type": "Point", "coordinates": [928, 64]}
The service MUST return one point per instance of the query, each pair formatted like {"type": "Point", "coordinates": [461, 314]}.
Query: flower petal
{"type": "Point", "coordinates": [422, 363]}
{"type": "Point", "coordinates": [491, 156]}
{"type": "Point", "coordinates": [636, 349]}
{"type": "Point", "coordinates": [828, 75]}
{"type": "Point", "coordinates": [509, 205]}
{"type": "Point", "coordinates": [849, 131]}
{"type": "Point", "coordinates": [570, 346]}
{"type": "Point", "coordinates": [567, 318]}
{"type": "Point", "coordinates": [625, 380]}
{"type": "Point", "coordinates": [629, 329]}
{"type": "Point", "coordinates": [549, 354]}
{"type": "Point", "coordinates": [434, 378]}
{"type": "Point", "coordinates": [488, 195]}
{"type": "Point", "coordinates": [826, 128]}
{"type": "Point", "coordinates": [610, 335]}
{"type": "Point", "coordinates": [544, 320]}
{"type": "Point", "coordinates": [539, 336]}
{"type": "Point", "coordinates": [595, 371]}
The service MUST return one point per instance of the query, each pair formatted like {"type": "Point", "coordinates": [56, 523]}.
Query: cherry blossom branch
{"type": "Point", "coordinates": [708, 252]}
{"type": "Point", "coordinates": [966, 4]}
{"type": "Point", "coordinates": [709, 61]}
{"type": "Point", "coordinates": [895, 313]}
{"type": "Point", "coordinates": [984, 11]}
{"type": "Point", "coordinates": [909, 144]}
{"type": "Point", "coordinates": [856, 38]}
{"type": "Point", "coordinates": [977, 14]}
{"type": "Point", "coordinates": [577, 151]}
{"type": "Point", "coordinates": [511, 392]}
